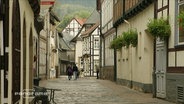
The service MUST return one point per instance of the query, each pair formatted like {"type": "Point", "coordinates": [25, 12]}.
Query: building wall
{"type": "Point", "coordinates": [109, 53]}
{"type": "Point", "coordinates": [42, 55]}
{"type": "Point", "coordinates": [107, 15]}
{"type": "Point", "coordinates": [53, 52]}
{"type": "Point", "coordinates": [91, 46]}
{"type": "Point", "coordinates": [27, 14]}
{"type": "Point", "coordinates": [107, 69]}
{"type": "Point", "coordinates": [72, 28]}
{"type": "Point", "coordinates": [78, 53]}
{"type": "Point", "coordinates": [175, 73]}
{"type": "Point", "coordinates": [47, 29]}
{"type": "Point", "coordinates": [85, 49]}
{"type": "Point", "coordinates": [136, 64]}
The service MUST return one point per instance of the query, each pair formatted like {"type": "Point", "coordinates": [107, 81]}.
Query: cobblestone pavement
{"type": "Point", "coordinates": [92, 91]}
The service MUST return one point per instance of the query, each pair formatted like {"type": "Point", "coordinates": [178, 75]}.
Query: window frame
{"type": "Point", "coordinates": [177, 37]}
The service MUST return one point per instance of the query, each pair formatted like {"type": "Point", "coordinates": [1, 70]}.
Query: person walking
{"type": "Point", "coordinates": [75, 71]}
{"type": "Point", "coordinates": [69, 72]}
{"type": "Point", "coordinates": [97, 72]}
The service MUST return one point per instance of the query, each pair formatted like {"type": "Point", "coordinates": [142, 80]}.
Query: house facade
{"type": "Point", "coordinates": [63, 57]}
{"type": "Point", "coordinates": [134, 64]}
{"type": "Point", "coordinates": [154, 65]}
{"type": "Point", "coordinates": [174, 51]}
{"type": "Point", "coordinates": [53, 45]}
{"type": "Point", "coordinates": [73, 27]}
{"type": "Point", "coordinates": [78, 51]}
{"type": "Point", "coordinates": [108, 33]}
{"type": "Point", "coordinates": [48, 54]}
{"type": "Point", "coordinates": [77, 40]}
{"type": "Point", "coordinates": [68, 33]}
{"type": "Point", "coordinates": [91, 44]}
{"type": "Point", "coordinates": [90, 50]}
{"type": "Point", "coordinates": [20, 36]}
{"type": "Point", "coordinates": [42, 62]}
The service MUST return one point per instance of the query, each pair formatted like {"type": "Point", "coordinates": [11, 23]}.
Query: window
{"type": "Point", "coordinates": [1, 9]}
{"type": "Point", "coordinates": [96, 44]}
{"type": "Point", "coordinates": [180, 31]}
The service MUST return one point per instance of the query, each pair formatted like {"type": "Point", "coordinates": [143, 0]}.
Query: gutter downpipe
{"type": "Point", "coordinates": [38, 56]}
{"type": "Point", "coordinates": [115, 63]}
{"type": "Point", "coordinates": [101, 39]}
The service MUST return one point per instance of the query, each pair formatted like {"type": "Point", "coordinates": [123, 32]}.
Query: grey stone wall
{"type": "Point", "coordinates": [146, 88]}
{"type": "Point", "coordinates": [172, 81]}
{"type": "Point", "coordinates": [107, 73]}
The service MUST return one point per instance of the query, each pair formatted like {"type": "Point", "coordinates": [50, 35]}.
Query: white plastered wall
{"type": "Point", "coordinates": [27, 13]}
{"type": "Point", "coordinates": [136, 64]}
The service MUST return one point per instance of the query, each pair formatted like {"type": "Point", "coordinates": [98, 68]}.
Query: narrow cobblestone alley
{"type": "Point", "coordinates": [92, 91]}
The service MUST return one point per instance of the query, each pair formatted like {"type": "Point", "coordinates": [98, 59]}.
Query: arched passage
{"type": "Point", "coordinates": [31, 59]}
{"type": "Point", "coordinates": [16, 45]}
{"type": "Point", "coordinates": [24, 56]}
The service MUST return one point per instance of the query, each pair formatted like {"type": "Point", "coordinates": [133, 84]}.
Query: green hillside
{"type": "Point", "coordinates": [86, 3]}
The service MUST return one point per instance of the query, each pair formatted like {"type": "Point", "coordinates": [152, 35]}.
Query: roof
{"type": "Point", "coordinates": [53, 18]}
{"type": "Point", "coordinates": [63, 44]}
{"type": "Point", "coordinates": [93, 18]}
{"type": "Point", "coordinates": [80, 21]}
{"type": "Point", "coordinates": [89, 31]}
{"type": "Point", "coordinates": [67, 38]}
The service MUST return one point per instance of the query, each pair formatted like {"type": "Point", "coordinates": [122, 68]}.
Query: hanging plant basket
{"type": "Point", "coordinates": [117, 43]}
{"type": "Point", "coordinates": [127, 38]}
{"type": "Point", "coordinates": [159, 28]}
{"type": "Point", "coordinates": [131, 37]}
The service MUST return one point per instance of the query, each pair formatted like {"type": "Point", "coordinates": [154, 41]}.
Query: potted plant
{"type": "Point", "coordinates": [130, 37]}
{"type": "Point", "coordinates": [159, 28]}
{"type": "Point", "coordinates": [127, 38]}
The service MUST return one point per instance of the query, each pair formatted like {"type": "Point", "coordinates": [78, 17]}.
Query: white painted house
{"type": "Point", "coordinates": [20, 31]}
{"type": "Point", "coordinates": [91, 44]}
{"type": "Point", "coordinates": [77, 40]}
{"type": "Point", "coordinates": [108, 34]}
{"type": "Point", "coordinates": [69, 33]}
{"type": "Point", "coordinates": [135, 64]}
{"type": "Point", "coordinates": [154, 65]}
{"type": "Point", "coordinates": [73, 27]}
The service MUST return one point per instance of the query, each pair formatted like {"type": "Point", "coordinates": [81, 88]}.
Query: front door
{"type": "Point", "coordinates": [160, 68]}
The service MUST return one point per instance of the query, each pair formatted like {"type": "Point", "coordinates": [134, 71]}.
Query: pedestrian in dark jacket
{"type": "Point", "coordinates": [97, 71]}
{"type": "Point", "coordinates": [75, 71]}
{"type": "Point", "coordinates": [69, 72]}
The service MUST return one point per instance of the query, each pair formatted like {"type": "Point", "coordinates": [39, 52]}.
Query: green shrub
{"type": "Point", "coordinates": [159, 28]}
{"type": "Point", "coordinates": [127, 38]}
{"type": "Point", "coordinates": [117, 43]}
{"type": "Point", "coordinates": [131, 37]}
